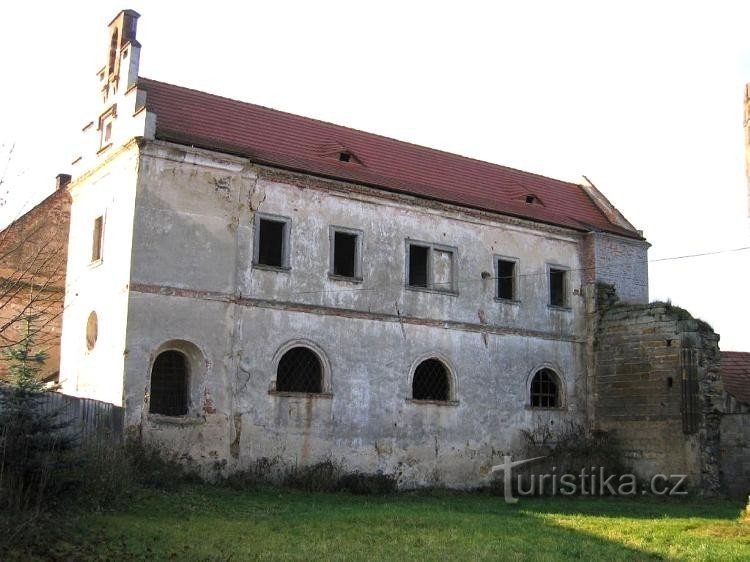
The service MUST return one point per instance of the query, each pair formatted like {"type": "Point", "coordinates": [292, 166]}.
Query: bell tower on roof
{"type": "Point", "coordinates": [122, 54]}
{"type": "Point", "coordinates": [120, 114]}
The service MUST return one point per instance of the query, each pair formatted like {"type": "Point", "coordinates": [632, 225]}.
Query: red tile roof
{"type": "Point", "coordinates": [301, 144]}
{"type": "Point", "coordinates": [735, 372]}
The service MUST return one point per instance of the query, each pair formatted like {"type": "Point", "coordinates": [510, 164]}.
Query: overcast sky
{"type": "Point", "coordinates": [644, 98]}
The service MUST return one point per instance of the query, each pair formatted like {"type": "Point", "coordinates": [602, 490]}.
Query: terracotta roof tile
{"type": "Point", "coordinates": [735, 372]}
{"type": "Point", "coordinates": [298, 143]}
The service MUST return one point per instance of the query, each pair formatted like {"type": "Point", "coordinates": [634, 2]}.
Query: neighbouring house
{"type": "Point", "coordinates": [254, 286]}
{"type": "Point", "coordinates": [735, 423]}
{"type": "Point", "coordinates": [33, 258]}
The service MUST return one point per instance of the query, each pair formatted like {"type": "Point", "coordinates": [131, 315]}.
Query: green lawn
{"type": "Point", "coordinates": [213, 523]}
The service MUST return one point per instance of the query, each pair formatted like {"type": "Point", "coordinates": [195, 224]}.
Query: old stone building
{"type": "Point", "coordinates": [257, 286]}
{"type": "Point", "coordinates": [33, 257]}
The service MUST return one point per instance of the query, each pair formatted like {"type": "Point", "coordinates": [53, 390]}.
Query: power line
{"type": "Point", "coordinates": [533, 274]}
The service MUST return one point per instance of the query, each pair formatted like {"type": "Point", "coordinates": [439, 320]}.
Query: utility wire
{"type": "Point", "coordinates": [533, 274]}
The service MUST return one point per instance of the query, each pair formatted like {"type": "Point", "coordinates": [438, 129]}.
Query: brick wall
{"type": "Point", "coordinates": [33, 257]}
{"type": "Point", "coordinates": [621, 262]}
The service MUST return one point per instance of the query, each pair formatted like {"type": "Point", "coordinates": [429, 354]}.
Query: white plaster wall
{"type": "Point", "coordinates": [192, 233]}
{"type": "Point", "coordinates": [192, 279]}
{"type": "Point", "coordinates": [108, 190]}
{"type": "Point", "coordinates": [368, 423]}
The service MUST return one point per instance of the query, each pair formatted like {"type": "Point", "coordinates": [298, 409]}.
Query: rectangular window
{"type": "Point", "coordinates": [418, 260]}
{"type": "Point", "coordinates": [96, 245]}
{"type": "Point", "coordinates": [558, 287]}
{"type": "Point", "coordinates": [106, 121]}
{"type": "Point", "coordinates": [346, 250]}
{"type": "Point", "coordinates": [430, 266]}
{"type": "Point", "coordinates": [271, 241]}
{"type": "Point", "coordinates": [505, 272]}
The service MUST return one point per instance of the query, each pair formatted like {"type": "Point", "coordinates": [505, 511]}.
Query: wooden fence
{"type": "Point", "coordinates": [88, 419]}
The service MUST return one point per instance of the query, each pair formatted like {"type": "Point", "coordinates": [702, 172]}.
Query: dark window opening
{"type": "Point", "coordinates": [418, 256]}
{"type": "Point", "coordinates": [271, 242]}
{"type": "Point", "coordinates": [506, 271]}
{"type": "Point", "coordinates": [299, 371]}
{"type": "Point", "coordinates": [345, 156]}
{"type": "Point", "coordinates": [545, 390]}
{"type": "Point", "coordinates": [169, 378]}
{"type": "Point", "coordinates": [96, 247]}
{"type": "Point", "coordinates": [557, 287]}
{"type": "Point", "coordinates": [344, 254]}
{"type": "Point", "coordinates": [530, 199]}
{"type": "Point", "coordinates": [431, 381]}
{"type": "Point", "coordinates": [108, 132]}
{"type": "Point", "coordinates": [112, 53]}
{"type": "Point", "coordinates": [670, 382]}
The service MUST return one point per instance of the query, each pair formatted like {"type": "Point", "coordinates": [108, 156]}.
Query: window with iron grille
{"type": "Point", "coordinates": [271, 245]}
{"type": "Point", "coordinates": [169, 378]}
{"type": "Point", "coordinates": [300, 370]}
{"type": "Point", "coordinates": [545, 390]}
{"type": "Point", "coordinates": [431, 381]}
{"type": "Point", "coordinates": [430, 266]}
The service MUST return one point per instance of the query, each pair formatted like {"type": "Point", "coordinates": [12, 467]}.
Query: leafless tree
{"type": "Point", "coordinates": [33, 259]}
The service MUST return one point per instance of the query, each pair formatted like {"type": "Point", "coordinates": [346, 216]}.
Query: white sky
{"type": "Point", "coordinates": [645, 98]}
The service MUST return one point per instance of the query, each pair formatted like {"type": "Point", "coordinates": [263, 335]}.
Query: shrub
{"type": "Point", "coordinates": [569, 450]}
{"type": "Point", "coordinates": [33, 440]}
{"type": "Point", "coordinates": [321, 477]}
{"type": "Point", "coordinates": [367, 484]}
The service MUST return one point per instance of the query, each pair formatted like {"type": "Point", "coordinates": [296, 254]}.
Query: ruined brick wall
{"type": "Point", "coordinates": [33, 255]}
{"type": "Point", "coordinates": [639, 392]}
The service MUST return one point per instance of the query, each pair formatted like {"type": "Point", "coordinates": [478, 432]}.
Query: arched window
{"type": "Point", "coordinates": [545, 389]}
{"type": "Point", "coordinates": [169, 384]}
{"type": "Point", "coordinates": [299, 370]}
{"type": "Point", "coordinates": [431, 381]}
{"type": "Point", "coordinates": [112, 53]}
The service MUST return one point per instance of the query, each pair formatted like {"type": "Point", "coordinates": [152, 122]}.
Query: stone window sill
{"type": "Point", "coordinates": [104, 148]}
{"type": "Point", "coordinates": [334, 277]}
{"type": "Point", "coordinates": [300, 394]}
{"type": "Point", "coordinates": [276, 268]}
{"type": "Point", "coordinates": [176, 420]}
{"type": "Point", "coordinates": [560, 308]}
{"type": "Point", "coordinates": [447, 293]}
{"type": "Point", "coordinates": [434, 402]}
{"type": "Point", "coordinates": [513, 302]}
{"type": "Point", "coordinates": [542, 409]}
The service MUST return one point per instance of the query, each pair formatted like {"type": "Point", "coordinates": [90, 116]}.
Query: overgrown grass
{"type": "Point", "coordinates": [202, 522]}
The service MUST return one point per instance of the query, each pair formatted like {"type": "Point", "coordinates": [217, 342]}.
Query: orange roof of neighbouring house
{"type": "Point", "coordinates": [735, 372]}
{"type": "Point", "coordinates": [306, 145]}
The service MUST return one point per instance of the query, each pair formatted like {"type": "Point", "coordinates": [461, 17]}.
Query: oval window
{"type": "Point", "coordinates": [92, 331]}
